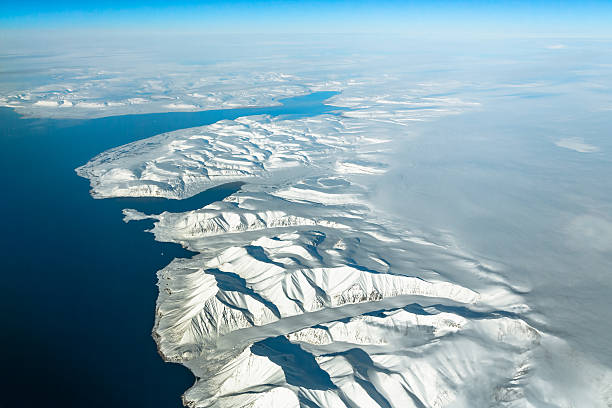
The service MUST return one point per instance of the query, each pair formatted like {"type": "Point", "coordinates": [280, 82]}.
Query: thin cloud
{"type": "Point", "coordinates": [576, 144]}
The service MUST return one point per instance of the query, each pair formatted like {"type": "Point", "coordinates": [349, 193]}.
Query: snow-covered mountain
{"type": "Point", "coordinates": [304, 293]}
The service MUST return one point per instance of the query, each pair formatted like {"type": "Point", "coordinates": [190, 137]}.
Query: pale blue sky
{"type": "Point", "coordinates": [412, 17]}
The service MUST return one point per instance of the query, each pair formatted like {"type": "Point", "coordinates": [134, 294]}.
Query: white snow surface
{"type": "Point", "coordinates": [305, 294]}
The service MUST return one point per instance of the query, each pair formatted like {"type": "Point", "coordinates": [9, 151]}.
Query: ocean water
{"type": "Point", "coordinates": [78, 284]}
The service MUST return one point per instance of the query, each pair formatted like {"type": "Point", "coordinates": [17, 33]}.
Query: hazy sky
{"type": "Point", "coordinates": [541, 18]}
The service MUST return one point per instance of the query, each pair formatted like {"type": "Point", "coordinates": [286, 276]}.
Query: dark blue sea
{"type": "Point", "coordinates": [78, 285]}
